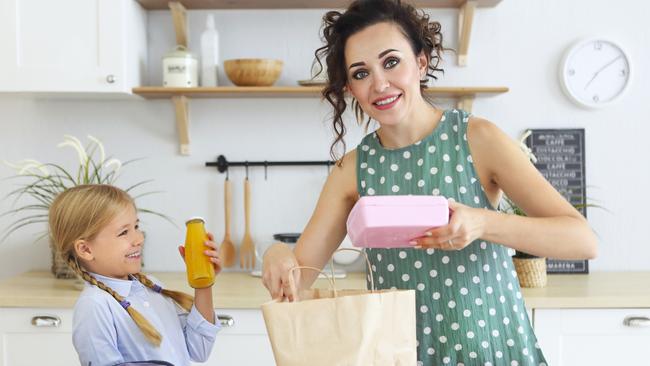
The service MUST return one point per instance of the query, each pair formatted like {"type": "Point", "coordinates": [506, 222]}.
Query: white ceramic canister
{"type": "Point", "coordinates": [180, 68]}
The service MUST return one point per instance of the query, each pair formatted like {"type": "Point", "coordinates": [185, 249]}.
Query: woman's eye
{"type": "Point", "coordinates": [360, 75]}
{"type": "Point", "coordinates": [137, 227]}
{"type": "Point", "coordinates": [391, 62]}
{"type": "Point", "coordinates": [123, 233]}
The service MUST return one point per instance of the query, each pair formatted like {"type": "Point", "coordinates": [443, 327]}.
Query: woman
{"type": "Point", "coordinates": [469, 304]}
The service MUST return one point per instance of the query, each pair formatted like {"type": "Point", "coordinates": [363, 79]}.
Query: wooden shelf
{"type": "Point", "coordinates": [179, 96]}
{"type": "Point", "coordinates": [156, 92]}
{"type": "Point", "coordinates": [466, 10]}
{"type": "Point", "coordinates": [296, 4]}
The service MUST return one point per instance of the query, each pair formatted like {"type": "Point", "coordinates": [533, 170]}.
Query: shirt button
{"type": "Point", "coordinates": [146, 304]}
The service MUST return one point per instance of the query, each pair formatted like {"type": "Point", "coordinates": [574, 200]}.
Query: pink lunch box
{"type": "Point", "coordinates": [394, 221]}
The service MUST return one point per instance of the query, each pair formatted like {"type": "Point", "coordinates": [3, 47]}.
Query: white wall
{"type": "Point", "coordinates": [517, 44]}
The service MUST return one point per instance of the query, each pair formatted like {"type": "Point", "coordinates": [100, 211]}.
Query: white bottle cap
{"type": "Point", "coordinates": [210, 21]}
{"type": "Point", "coordinates": [194, 218]}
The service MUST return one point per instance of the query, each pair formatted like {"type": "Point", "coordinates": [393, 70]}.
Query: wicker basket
{"type": "Point", "coordinates": [60, 268]}
{"type": "Point", "coordinates": [531, 271]}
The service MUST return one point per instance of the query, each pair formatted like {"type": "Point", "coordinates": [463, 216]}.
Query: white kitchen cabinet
{"type": "Point", "coordinates": [594, 337]}
{"type": "Point", "coordinates": [244, 342]}
{"type": "Point", "coordinates": [42, 336]}
{"type": "Point", "coordinates": [73, 46]}
{"type": "Point", "coordinates": [30, 336]}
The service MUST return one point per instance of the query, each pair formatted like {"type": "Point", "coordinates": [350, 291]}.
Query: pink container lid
{"type": "Point", "coordinates": [394, 221]}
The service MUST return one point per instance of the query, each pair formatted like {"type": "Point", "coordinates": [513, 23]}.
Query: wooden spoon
{"type": "Point", "coordinates": [227, 248]}
{"type": "Point", "coordinates": [247, 249]}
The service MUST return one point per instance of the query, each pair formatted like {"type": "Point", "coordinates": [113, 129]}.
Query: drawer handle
{"type": "Point", "coordinates": [46, 321]}
{"type": "Point", "coordinates": [636, 321]}
{"type": "Point", "coordinates": [226, 321]}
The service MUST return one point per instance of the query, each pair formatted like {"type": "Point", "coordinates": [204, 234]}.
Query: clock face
{"type": "Point", "coordinates": [595, 72]}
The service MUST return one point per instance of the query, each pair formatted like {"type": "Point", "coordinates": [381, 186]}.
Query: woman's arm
{"type": "Point", "coordinates": [320, 238]}
{"type": "Point", "coordinates": [553, 228]}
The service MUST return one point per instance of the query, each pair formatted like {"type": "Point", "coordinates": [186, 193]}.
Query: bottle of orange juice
{"type": "Point", "coordinates": [200, 271]}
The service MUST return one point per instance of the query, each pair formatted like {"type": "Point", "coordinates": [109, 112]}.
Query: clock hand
{"type": "Point", "coordinates": [601, 69]}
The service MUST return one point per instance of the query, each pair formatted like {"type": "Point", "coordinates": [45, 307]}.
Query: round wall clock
{"type": "Point", "coordinates": [595, 72]}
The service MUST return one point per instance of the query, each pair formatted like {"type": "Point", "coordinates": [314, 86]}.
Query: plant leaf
{"type": "Point", "coordinates": [146, 194]}
{"type": "Point", "coordinates": [167, 218]}
{"type": "Point", "coordinates": [138, 185]}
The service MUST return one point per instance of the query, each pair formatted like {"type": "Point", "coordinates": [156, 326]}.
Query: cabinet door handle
{"type": "Point", "coordinates": [226, 321]}
{"type": "Point", "coordinates": [636, 321]}
{"type": "Point", "coordinates": [111, 79]}
{"type": "Point", "coordinates": [46, 321]}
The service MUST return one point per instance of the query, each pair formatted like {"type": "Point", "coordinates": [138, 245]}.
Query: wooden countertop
{"type": "Point", "coordinates": [238, 290]}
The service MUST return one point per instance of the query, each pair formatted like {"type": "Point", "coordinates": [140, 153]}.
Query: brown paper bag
{"type": "Point", "coordinates": [344, 327]}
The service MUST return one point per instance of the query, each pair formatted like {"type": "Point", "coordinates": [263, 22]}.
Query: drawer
{"type": "Point", "coordinates": [31, 336]}
{"type": "Point", "coordinates": [594, 337]}
{"type": "Point", "coordinates": [243, 321]}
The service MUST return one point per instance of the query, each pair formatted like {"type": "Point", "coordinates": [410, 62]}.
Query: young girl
{"type": "Point", "coordinates": [469, 306]}
{"type": "Point", "coordinates": [122, 315]}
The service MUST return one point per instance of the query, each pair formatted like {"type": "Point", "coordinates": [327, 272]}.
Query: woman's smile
{"type": "Point", "coordinates": [387, 102]}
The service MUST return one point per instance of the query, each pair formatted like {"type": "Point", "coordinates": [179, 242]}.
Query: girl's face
{"type": "Point", "coordinates": [117, 250]}
{"type": "Point", "coordinates": [383, 73]}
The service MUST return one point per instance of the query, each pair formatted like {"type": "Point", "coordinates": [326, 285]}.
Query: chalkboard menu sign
{"type": "Point", "coordinates": [561, 160]}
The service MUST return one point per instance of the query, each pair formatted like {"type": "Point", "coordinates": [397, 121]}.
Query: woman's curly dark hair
{"type": "Point", "coordinates": [424, 36]}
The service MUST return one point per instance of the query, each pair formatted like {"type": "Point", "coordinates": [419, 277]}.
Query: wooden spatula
{"type": "Point", "coordinates": [247, 250]}
{"type": "Point", "coordinates": [227, 248]}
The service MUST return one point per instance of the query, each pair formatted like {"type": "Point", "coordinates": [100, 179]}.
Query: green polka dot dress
{"type": "Point", "coordinates": [470, 309]}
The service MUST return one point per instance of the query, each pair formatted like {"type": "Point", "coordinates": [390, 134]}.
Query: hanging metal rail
{"type": "Point", "coordinates": [222, 164]}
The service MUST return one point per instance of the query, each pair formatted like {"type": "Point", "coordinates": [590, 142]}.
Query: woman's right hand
{"type": "Point", "coordinates": [278, 260]}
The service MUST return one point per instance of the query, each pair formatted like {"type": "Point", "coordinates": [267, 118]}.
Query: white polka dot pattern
{"type": "Point", "coordinates": [469, 305]}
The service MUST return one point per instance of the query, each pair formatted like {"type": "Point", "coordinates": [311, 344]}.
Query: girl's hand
{"type": "Point", "coordinates": [278, 261]}
{"type": "Point", "coordinates": [212, 253]}
{"type": "Point", "coordinates": [466, 224]}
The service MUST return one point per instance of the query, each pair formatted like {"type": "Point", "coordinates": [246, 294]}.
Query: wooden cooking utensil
{"type": "Point", "coordinates": [227, 248]}
{"type": "Point", "coordinates": [247, 249]}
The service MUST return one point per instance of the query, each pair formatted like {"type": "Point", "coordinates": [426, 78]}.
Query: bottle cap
{"type": "Point", "coordinates": [195, 218]}
{"type": "Point", "coordinates": [210, 22]}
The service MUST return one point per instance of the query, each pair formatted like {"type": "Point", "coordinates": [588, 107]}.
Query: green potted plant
{"type": "Point", "coordinates": [40, 183]}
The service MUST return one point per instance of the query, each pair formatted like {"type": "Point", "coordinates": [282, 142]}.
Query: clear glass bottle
{"type": "Point", "coordinates": [209, 54]}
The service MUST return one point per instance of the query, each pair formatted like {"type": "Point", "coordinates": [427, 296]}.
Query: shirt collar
{"type": "Point", "coordinates": [122, 287]}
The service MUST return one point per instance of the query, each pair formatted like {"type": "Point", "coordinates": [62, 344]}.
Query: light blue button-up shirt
{"type": "Point", "coordinates": [104, 333]}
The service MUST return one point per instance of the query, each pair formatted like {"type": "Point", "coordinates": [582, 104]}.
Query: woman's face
{"type": "Point", "coordinates": [383, 73]}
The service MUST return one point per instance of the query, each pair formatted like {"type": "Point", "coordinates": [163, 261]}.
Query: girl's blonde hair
{"type": "Point", "coordinates": [80, 213]}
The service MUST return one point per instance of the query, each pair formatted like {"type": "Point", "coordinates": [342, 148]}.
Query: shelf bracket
{"type": "Point", "coordinates": [465, 103]}
{"type": "Point", "coordinates": [180, 25]}
{"type": "Point", "coordinates": [182, 123]}
{"type": "Point", "coordinates": [465, 19]}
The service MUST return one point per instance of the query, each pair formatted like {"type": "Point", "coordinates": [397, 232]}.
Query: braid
{"type": "Point", "coordinates": [149, 331]}
{"type": "Point", "coordinates": [182, 299]}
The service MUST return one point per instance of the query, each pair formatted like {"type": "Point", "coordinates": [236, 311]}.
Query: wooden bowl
{"type": "Point", "coordinates": [253, 71]}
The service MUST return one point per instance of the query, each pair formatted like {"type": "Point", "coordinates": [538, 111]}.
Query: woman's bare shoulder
{"type": "Point", "coordinates": [344, 175]}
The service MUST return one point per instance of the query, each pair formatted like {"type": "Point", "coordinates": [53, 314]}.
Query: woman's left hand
{"type": "Point", "coordinates": [212, 253]}
{"type": "Point", "coordinates": [466, 224]}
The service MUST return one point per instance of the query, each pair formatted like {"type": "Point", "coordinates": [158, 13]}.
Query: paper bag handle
{"type": "Point", "coordinates": [329, 278]}
{"type": "Point", "coordinates": [365, 255]}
